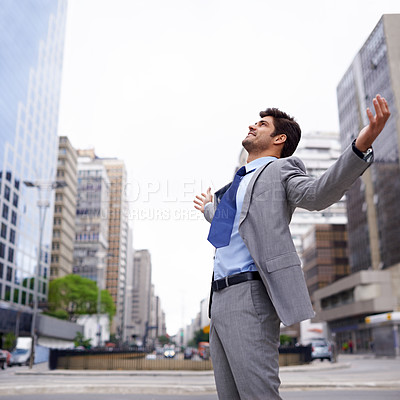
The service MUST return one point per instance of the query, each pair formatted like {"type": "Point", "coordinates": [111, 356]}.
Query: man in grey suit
{"type": "Point", "coordinates": [258, 281]}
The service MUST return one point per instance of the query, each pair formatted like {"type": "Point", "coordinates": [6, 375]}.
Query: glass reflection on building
{"type": "Point", "coordinates": [31, 47]}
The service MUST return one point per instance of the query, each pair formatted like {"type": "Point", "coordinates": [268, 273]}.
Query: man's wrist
{"type": "Point", "coordinates": [365, 155]}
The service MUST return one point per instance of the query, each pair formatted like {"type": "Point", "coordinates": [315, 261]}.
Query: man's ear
{"type": "Point", "coordinates": [280, 139]}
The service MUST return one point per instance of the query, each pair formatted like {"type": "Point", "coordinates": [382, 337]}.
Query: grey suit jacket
{"type": "Point", "coordinates": [272, 195]}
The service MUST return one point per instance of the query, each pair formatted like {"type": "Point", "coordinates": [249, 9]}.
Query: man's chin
{"type": "Point", "coordinates": [246, 142]}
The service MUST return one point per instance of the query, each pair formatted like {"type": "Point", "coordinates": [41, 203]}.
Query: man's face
{"type": "Point", "coordinates": [259, 137]}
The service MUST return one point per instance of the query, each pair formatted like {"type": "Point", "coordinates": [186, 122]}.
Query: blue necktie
{"type": "Point", "coordinates": [222, 223]}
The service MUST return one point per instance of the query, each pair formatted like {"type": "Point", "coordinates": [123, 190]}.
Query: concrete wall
{"type": "Point", "coordinates": [56, 328]}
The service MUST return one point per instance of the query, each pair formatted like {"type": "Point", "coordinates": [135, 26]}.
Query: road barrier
{"type": "Point", "coordinates": [116, 359]}
{"type": "Point", "coordinates": [120, 360]}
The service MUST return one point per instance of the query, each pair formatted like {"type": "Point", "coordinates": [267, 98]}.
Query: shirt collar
{"type": "Point", "coordinates": [258, 162]}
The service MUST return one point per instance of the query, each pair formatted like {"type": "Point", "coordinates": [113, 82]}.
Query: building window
{"type": "Point", "coordinates": [12, 236]}
{"type": "Point", "coordinates": [5, 211]}
{"type": "Point", "coordinates": [10, 254]}
{"type": "Point", "coordinates": [3, 231]}
{"type": "Point", "coordinates": [16, 295]}
{"type": "Point", "coordinates": [9, 274]}
{"type": "Point", "coordinates": [14, 218]}
{"type": "Point", "coordinates": [8, 176]}
{"type": "Point", "coordinates": [15, 199]}
{"type": "Point", "coordinates": [2, 249]}
{"type": "Point", "coordinates": [7, 296]}
{"type": "Point", "coordinates": [23, 297]}
{"type": "Point", "coordinates": [1, 270]}
{"type": "Point", "coordinates": [7, 192]}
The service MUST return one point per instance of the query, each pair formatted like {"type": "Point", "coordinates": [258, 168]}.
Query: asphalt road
{"type": "Point", "coordinates": [286, 395]}
{"type": "Point", "coordinates": [353, 377]}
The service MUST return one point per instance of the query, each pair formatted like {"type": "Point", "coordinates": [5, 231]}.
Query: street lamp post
{"type": "Point", "coordinates": [43, 204]}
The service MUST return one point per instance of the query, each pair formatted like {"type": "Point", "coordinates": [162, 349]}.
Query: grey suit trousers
{"type": "Point", "coordinates": [244, 341]}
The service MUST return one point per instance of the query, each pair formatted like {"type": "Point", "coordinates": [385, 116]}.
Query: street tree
{"type": "Point", "coordinates": [199, 336]}
{"type": "Point", "coordinates": [72, 296]}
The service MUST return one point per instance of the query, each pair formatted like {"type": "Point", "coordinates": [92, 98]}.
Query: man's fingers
{"type": "Point", "coordinates": [370, 116]}
{"type": "Point", "coordinates": [385, 106]}
{"type": "Point", "coordinates": [377, 105]}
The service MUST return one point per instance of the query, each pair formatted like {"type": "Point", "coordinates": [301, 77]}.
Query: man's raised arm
{"type": "Point", "coordinates": [376, 124]}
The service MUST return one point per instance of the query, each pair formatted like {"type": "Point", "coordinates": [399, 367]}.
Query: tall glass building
{"type": "Point", "coordinates": [31, 46]}
{"type": "Point", "coordinates": [373, 202]}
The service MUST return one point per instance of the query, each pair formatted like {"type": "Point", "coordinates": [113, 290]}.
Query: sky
{"type": "Point", "coordinates": [170, 87]}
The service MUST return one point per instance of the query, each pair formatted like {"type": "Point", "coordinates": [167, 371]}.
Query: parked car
{"type": "Point", "coordinates": [169, 352]}
{"type": "Point", "coordinates": [20, 357]}
{"type": "Point", "coordinates": [188, 354]}
{"type": "Point", "coordinates": [321, 349]}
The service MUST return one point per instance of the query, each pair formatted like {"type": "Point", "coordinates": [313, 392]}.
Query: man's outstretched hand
{"type": "Point", "coordinates": [201, 201]}
{"type": "Point", "coordinates": [376, 124]}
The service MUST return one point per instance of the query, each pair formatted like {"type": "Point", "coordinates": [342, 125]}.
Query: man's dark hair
{"type": "Point", "coordinates": [286, 125]}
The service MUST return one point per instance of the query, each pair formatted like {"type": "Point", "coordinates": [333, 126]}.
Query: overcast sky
{"type": "Point", "coordinates": [171, 86]}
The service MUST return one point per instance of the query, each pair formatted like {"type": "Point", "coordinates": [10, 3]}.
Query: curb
{"type": "Point", "coordinates": [175, 389]}
{"type": "Point", "coordinates": [69, 372]}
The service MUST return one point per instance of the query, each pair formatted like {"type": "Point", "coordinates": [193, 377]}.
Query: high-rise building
{"type": "Point", "coordinates": [117, 262]}
{"type": "Point", "coordinates": [62, 247]}
{"type": "Point", "coordinates": [115, 216]}
{"type": "Point", "coordinates": [31, 47]}
{"type": "Point", "coordinates": [373, 202]}
{"type": "Point", "coordinates": [128, 332]}
{"type": "Point", "coordinates": [325, 255]}
{"type": "Point", "coordinates": [141, 293]}
{"type": "Point", "coordinates": [92, 206]}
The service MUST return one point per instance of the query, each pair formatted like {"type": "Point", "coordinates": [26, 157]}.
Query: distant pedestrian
{"type": "Point", "coordinates": [258, 281]}
{"type": "Point", "coordinates": [351, 347]}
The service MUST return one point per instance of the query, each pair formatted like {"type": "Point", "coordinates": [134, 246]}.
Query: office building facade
{"type": "Point", "coordinates": [373, 202]}
{"type": "Point", "coordinates": [31, 46]}
{"type": "Point", "coordinates": [62, 247]}
{"type": "Point", "coordinates": [325, 256]}
{"type": "Point", "coordinates": [117, 262]}
{"type": "Point", "coordinates": [91, 232]}
{"type": "Point", "coordinates": [141, 294]}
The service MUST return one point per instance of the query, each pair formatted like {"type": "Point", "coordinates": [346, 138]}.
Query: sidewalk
{"type": "Point", "coordinates": [43, 369]}
{"type": "Point", "coordinates": [355, 372]}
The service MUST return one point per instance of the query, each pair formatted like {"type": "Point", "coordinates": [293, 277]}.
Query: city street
{"type": "Point", "coordinates": [353, 377]}
{"type": "Point", "coordinates": [291, 395]}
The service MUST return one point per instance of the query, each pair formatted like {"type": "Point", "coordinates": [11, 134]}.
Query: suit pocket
{"type": "Point", "coordinates": [281, 262]}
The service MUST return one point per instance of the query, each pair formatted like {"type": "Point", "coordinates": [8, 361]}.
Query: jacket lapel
{"type": "Point", "coordinates": [249, 192]}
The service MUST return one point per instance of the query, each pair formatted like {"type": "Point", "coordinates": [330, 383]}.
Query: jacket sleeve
{"type": "Point", "coordinates": [318, 193]}
{"type": "Point", "coordinates": [209, 211]}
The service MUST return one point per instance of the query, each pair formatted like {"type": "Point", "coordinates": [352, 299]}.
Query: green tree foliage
{"type": "Point", "coordinates": [80, 341]}
{"type": "Point", "coordinates": [286, 340]}
{"type": "Point", "coordinates": [164, 340]}
{"type": "Point", "coordinates": [73, 296]}
{"type": "Point", "coordinates": [9, 341]}
{"type": "Point", "coordinates": [199, 336]}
